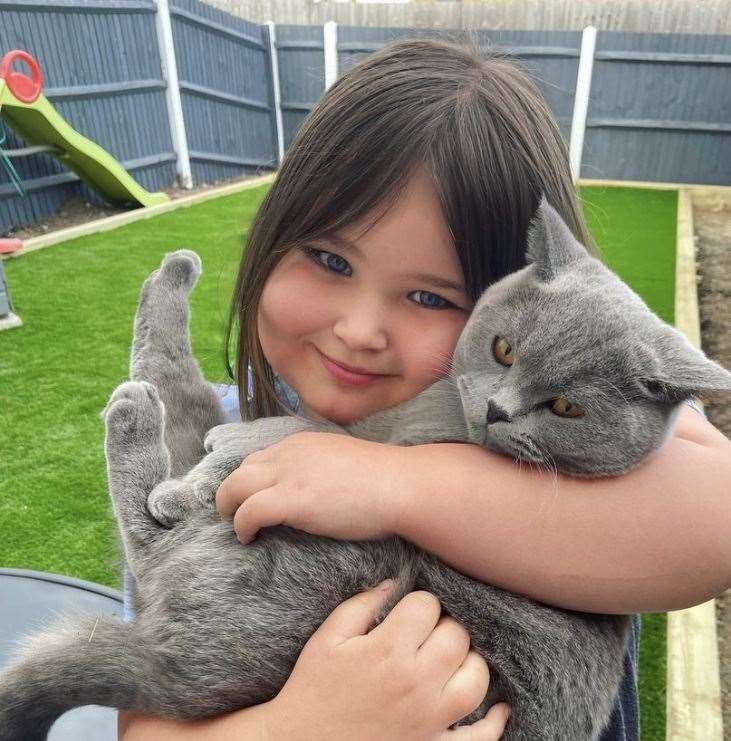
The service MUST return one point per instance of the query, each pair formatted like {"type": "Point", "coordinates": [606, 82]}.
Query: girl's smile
{"type": "Point", "coordinates": [353, 376]}
{"type": "Point", "coordinates": [365, 319]}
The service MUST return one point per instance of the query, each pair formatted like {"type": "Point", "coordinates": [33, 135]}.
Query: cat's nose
{"type": "Point", "coordinates": [495, 413]}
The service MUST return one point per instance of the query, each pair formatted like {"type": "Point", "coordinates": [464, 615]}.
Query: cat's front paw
{"type": "Point", "coordinates": [182, 268]}
{"type": "Point", "coordinates": [174, 500]}
{"type": "Point", "coordinates": [165, 288]}
{"type": "Point", "coordinates": [134, 413]}
{"type": "Point", "coordinates": [170, 502]}
{"type": "Point", "coordinates": [218, 435]}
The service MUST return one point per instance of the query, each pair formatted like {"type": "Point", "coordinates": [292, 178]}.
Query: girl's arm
{"type": "Point", "coordinates": [246, 723]}
{"type": "Point", "coordinates": [657, 538]}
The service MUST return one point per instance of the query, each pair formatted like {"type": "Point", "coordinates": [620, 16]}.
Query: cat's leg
{"type": "Point", "coordinates": [162, 356]}
{"type": "Point", "coordinates": [137, 461]}
{"type": "Point", "coordinates": [173, 500]}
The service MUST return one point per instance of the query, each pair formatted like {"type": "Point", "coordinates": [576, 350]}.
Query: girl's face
{"type": "Point", "coordinates": [375, 300]}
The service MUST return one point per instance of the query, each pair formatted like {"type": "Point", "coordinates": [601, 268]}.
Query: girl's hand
{"type": "Point", "coordinates": [410, 677]}
{"type": "Point", "coordinates": [323, 483]}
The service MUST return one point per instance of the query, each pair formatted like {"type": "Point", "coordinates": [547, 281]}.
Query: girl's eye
{"type": "Point", "coordinates": [328, 260]}
{"type": "Point", "coordinates": [562, 407]}
{"type": "Point", "coordinates": [336, 264]}
{"type": "Point", "coordinates": [432, 301]}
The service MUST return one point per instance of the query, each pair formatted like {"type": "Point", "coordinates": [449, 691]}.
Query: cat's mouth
{"type": "Point", "coordinates": [519, 447]}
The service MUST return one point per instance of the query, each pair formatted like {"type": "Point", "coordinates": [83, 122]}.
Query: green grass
{"type": "Point", "coordinates": [78, 299]}
{"type": "Point", "coordinates": [636, 230]}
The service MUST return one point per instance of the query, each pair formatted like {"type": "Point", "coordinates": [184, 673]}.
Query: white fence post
{"type": "Point", "coordinates": [172, 93]}
{"type": "Point", "coordinates": [277, 92]}
{"type": "Point", "coordinates": [330, 36]}
{"type": "Point", "coordinates": [581, 100]}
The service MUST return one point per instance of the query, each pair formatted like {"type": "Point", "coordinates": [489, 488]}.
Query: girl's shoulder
{"type": "Point", "coordinates": [229, 396]}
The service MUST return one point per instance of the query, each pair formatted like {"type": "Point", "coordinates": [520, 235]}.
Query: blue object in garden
{"type": "Point", "coordinates": [29, 601]}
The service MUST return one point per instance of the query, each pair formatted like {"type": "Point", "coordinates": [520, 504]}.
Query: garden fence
{"type": "Point", "coordinates": [177, 89]}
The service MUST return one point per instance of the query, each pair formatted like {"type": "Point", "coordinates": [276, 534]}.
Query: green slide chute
{"type": "Point", "coordinates": [29, 113]}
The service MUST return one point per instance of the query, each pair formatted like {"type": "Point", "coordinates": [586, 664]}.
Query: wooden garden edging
{"type": "Point", "coordinates": [693, 677]}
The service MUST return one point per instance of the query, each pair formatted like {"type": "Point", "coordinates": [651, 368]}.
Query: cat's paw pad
{"type": "Point", "coordinates": [134, 410]}
{"type": "Point", "coordinates": [181, 268]}
{"type": "Point", "coordinates": [170, 502]}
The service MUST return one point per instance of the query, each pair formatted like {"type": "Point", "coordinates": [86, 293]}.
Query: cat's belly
{"type": "Point", "coordinates": [240, 615]}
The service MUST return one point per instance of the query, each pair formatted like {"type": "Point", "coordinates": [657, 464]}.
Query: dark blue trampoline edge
{"type": "Point", "coordinates": [69, 581]}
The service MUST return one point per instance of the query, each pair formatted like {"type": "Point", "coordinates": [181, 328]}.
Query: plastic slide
{"type": "Point", "coordinates": [27, 111]}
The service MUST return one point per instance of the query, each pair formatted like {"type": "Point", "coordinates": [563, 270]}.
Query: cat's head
{"type": "Point", "coordinates": [562, 364]}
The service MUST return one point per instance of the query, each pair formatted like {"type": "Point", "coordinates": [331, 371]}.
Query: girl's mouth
{"type": "Point", "coordinates": [351, 377]}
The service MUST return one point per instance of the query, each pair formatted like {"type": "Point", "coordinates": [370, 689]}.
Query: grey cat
{"type": "Point", "coordinates": [560, 365]}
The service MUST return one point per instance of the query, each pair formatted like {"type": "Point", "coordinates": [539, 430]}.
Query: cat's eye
{"type": "Point", "coordinates": [503, 351]}
{"type": "Point", "coordinates": [564, 408]}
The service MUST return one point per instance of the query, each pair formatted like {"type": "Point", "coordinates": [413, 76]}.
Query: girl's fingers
{"type": "Point", "coordinates": [265, 508]}
{"type": "Point", "coordinates": [447, 645]}
{"type": "Point", "coordinates": [411, 621]}
{"type": "Point", "coordinates": [354, 616]}
{"type": "Point", "coordinates": [489, 728]}
{"type": "Point", "coordinates": [467, 687]}
{"type": "Point", "coordinates": [246, 480]}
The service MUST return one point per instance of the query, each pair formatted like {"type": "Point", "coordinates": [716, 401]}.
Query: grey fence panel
{"type": "Point", "coordinates": [660, 104]}
{"type": "Point", "coordinates": [300, 51]}
{"type": "Point", "coordinates": [102, 73]}
{"type": "Point", "coordinates": [660, 109]}
{"type": "Point", "coordinates": [226, 92]}
{"type": "Point", "coordinates": [550, 57]}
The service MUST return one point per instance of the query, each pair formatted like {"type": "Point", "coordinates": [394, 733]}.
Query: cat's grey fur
{"type": "Point", "coordinates": [219, 626]}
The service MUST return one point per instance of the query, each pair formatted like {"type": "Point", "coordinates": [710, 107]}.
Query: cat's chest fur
{"type": "Point", "coordinates": [435, 415]}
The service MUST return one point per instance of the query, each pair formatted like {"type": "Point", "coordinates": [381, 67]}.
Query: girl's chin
{"type": "Point", "coordinates": [341, 415]}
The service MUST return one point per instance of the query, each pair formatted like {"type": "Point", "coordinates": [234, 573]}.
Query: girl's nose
{"type": "Point", "coordinates": [361, 326]}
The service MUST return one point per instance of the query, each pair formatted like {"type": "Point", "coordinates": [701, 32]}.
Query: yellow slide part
{"type": "Point", "coordinates": [39, 123]}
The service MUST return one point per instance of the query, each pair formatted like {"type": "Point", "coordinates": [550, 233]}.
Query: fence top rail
{"type": "Point", "coordinates": [122, 87]}
{"type": "Point", "coordinates": [658, 56]}
{"type": "Point", "coordinates": [522, 51]}
{"type": "Point", "coordinates": [216, 27]}
{"type": "Point", "coordinates": [80, 6]}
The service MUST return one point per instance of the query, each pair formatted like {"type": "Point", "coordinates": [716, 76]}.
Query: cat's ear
{"type": "Point", "coordinates": [551, 245]}
{"type": "Point", "coordinates": [681, 371]}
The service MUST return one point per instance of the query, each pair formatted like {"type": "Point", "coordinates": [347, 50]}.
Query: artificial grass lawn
{"type": "Point", "coordinates": [77, 300]}
{"type": "Point", "coordinates": [635, 230]}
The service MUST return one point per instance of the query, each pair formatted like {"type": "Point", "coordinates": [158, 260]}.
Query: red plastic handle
{"type": "Point", "coordinates": [25, 89]}
{"type": "Point", "coordinates": [8, 246]}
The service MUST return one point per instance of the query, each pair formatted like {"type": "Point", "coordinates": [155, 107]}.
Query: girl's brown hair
{"type": "Point", "coordinates": [475, 120]}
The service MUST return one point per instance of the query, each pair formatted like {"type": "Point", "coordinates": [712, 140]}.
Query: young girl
{"type": "Point", "coordinates": [407, 191]}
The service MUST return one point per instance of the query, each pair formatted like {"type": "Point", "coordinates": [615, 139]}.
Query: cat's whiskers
{"type": "Point", "coordinates": [550, 466]}
{"type": "Point", "coordinates": [546, 463]}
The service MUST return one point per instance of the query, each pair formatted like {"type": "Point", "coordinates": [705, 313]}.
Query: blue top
{"type": "Point", "coordinates": [624, 724]}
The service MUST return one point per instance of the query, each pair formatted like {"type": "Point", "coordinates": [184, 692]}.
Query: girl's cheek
{"type": "Point", "coordinates": [292, 301]}
{"type": "Point", "coordinates": [428, 350]}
